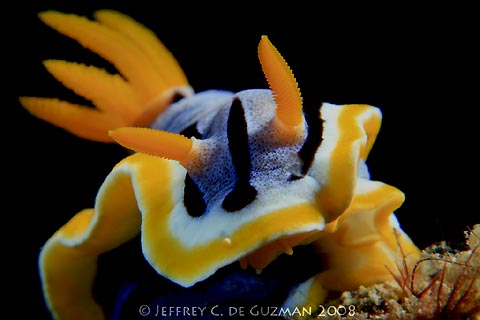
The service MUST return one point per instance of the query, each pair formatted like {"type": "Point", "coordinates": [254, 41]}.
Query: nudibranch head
{"type": "Point", "coordinates": [235, 175]}
{"type": "Point", "coordinates": [241, 166]}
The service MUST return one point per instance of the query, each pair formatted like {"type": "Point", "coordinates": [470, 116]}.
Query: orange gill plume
{"type": "Point", "coordinates": [147, 81]}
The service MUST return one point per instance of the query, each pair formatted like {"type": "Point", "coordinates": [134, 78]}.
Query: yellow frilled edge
{"type": "Point", "coordinates": [349, 132]}
{"type": "Point", "coordinates": [133, 200]}
{"type": "Point", "coordinates": [365, 245]}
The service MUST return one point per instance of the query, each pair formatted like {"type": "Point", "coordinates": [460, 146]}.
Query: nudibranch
{"type": "Point", "coordinates": [216, 176]}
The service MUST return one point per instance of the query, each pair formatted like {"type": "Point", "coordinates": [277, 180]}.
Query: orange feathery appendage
{"type": "Point", "coordinates": [147, 77]}
{"type": "Point", "coordinates": [154, 142]}
{"type": "Point", "coordinates": [85, 122]}
{"type": "Point", "coordinates": [110, 93]}
{"type": "Point", "coordinates": [165, 63]}
{"type": "Point", "coordinates": [129, 58]}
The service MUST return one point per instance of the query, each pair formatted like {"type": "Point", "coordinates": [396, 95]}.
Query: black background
{"type": "Point", "coordinates": [419, 65]}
